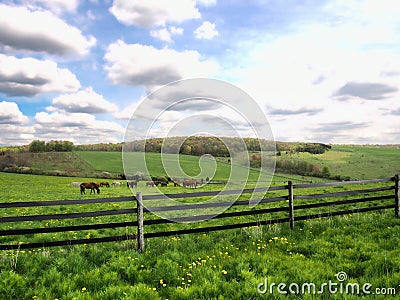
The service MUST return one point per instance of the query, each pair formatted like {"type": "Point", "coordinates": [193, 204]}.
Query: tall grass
{"type": "Point", "coordinates": [219, 265]}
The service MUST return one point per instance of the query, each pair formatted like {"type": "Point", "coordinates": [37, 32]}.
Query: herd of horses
{"type": "Point", "coordinates": [95, 187]}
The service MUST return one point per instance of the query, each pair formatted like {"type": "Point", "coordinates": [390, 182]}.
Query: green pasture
{"type": "Point", "coordinates": [219, 265]}
{"type": "Point", "coordinates": [361, 162]}
{"type": "Point", "coordinates": [181, 166]}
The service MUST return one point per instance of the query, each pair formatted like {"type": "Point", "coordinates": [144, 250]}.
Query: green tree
{"type": "Point", "coordinates": [37, 146]}
{"type": "Point", "coordinates": [326, 172]}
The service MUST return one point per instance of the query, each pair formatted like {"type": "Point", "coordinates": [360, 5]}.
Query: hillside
{"type": "Point", "coordinates": [336, 162]}
{"type": "Point", "coordinates": [354, 162]}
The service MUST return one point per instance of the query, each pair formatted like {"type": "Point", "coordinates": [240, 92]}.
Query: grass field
{"type": "Point", "coordinates": [112, 162]}
{"type": "Point", "coordinates": [360, 162]}
{"type": "Point", "coordinates": [220, 265]}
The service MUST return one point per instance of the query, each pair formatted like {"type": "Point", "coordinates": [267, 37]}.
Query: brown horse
{"type": "Point", "coordinates": [131, 184]}
{"type": "Point", "coordinates": [89, 185]}
{"type": "Point", "coordinates": [149, 183]}
{"type": "Point", "coordinates": [189, 183]}
{"type": "Point", "coordinates": [176, 183]}
{"type": "Point", "coordinates": [106, 184]}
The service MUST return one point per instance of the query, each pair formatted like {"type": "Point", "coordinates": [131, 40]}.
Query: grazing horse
{"type": "Point", "coordinates": [116, 183]}
{"type": "Point", "coordinates": [189, 183]}
{"type": "Point", "coordinates": [149, 183]}
{"type": "Point", "coordinates": [75, 183]}
{"type": "Point", "coordinates": [131, 184]}
{"type": "Point", "coordinates": [89, 185]}
{"type": "Point", "coordinates": [176, 183]}
{"type": "Point", "coordinates": [164, 183]}
{"type": "Point", "coordinates": [106, 184]}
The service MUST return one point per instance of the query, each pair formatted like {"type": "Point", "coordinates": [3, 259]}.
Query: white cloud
{"type": "Point", "coordinates": [29, 77]}
{"type": "Point", "coordinates": [56, 6]}
{"type": "Point", "coordinates": [10, 114]}
{"type": "Point", "coordinates": [162, 35]}
{"type": "Point", "coordinates": [300, 75]}
{"type": "Point", "coordinates": [79, 128]}
{"type": "Point", "coordinates": [148, 14]}
{"type": "Point", "coordinates": [165, 34]}
{"type": "Point", "coordinates": [46, 33]}
{"type": "Point", "coordinates": [206, 31]}
{"type": "Point", "coordinates": [16, 134]}
{"type": "Point", "coordinates": [140, 65]}
{"type": "Point", "coordinates": [84, 101]}
{"type": "Point", "coordinates": [207, 3]}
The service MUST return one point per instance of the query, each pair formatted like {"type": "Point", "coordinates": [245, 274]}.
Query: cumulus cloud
{"type": "Point", "coordinates": [165, 34]}
{"type": "Point", "coordinates": [140, 65]}
{"type": "Point", "coordinates": [56, 6]}
{"type": "Point", "coordinates": [76, 127]}
{"type": "Point", "coordinates": [29, 77]}
{"type": "Point", "coordinates": [206, 31]}
{"type": "Point", "coordinates": [10, 114]}
{"type": "Point", "coordinates": [84, 101]}
{"type": "Point", "coordinates": [365, 90]}
{"type": "Point", "coordinates": [148, 14]}
{"type": "Point", "coordinates": [11, 134]}
{"type": "Point", "coordinates": [46, 33]}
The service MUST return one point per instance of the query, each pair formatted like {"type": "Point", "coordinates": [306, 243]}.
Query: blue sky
{"type": "Point", "coordinates": [322, 71]}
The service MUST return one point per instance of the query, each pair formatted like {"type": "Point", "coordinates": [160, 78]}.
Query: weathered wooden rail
{"type": "Point", "coordinates": [288, 205]}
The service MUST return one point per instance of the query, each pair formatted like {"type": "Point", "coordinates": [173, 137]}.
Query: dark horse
{"type": "Point", "coordinates": [89, 185]}
{"type": "Point", "coordinates": [131, 184]}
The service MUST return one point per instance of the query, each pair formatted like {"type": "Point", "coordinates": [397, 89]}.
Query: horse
{"type": "Point", "coordinates": [89, 185]}
{"type": "Point", "coordinates": [149, 183]}
{"type": "Point", "coordinates": [116, 183]}
{"type": "Point", "coordinates": [189, 183]}
{"type": "Point", "coordinates": [176, 183]}
{"type": "Point", "coordinates": [131, 184]}
{"type": "Point", "coordinates": [106, 184]}
{"type": "Point", "coordinates": [75, 183]}
{"type": "Point", "coordinates": [164, 183]}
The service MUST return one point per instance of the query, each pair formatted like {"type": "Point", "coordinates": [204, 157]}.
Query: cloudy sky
{"type": "Point", "coordinates": [322, 71]}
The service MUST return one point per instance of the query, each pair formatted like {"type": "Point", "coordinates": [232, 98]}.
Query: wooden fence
{"type": "Point", "coordinates": [288, 204]}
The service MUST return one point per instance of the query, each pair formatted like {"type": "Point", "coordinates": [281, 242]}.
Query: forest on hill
{"type": "Point", "coordinates": [193, 145]}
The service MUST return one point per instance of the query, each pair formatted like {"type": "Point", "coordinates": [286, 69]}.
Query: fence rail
{"type": "Point", "coordinates": [289, 204]}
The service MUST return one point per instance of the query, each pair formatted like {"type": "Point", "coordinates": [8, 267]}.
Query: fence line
{"type": "Point", "coordinates": [140, 211]}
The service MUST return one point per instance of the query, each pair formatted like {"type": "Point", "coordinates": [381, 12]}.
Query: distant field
{"type": "Point", "coordinates": [112, 162]}
{"type": "Point", "coordinates": [359, 162]}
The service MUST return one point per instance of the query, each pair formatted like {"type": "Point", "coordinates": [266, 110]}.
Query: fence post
{"type": "Point", "coordinates": [140, 229]}
{"type": "Point", "coordinates": [291, 208]}
{"type": "Point", "coordinates": [396, 195]}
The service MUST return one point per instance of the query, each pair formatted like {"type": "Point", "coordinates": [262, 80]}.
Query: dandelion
{"type": "Point", "coordinates": [154, 289]}
{"type": "Point", "coordinates": [224, 272]}
{"type": "Point", "coordinates": [83, 289]}
{"type": "Point", "coordinates": [161, 281]}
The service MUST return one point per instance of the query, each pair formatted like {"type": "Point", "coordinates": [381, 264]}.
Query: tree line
{"type": "Point", "coordinates": [52, 146]}
{"type": "Point", "coordinates": [194, 145]}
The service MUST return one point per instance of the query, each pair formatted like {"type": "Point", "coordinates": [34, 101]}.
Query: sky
{"type": "Point", "coordinates": [321, 71]}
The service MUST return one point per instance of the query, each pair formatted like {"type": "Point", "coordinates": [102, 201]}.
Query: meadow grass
{"type": "Point", "coordinates": [218, 265]}
{"type": "Point", "coordinates": [361, 162]}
